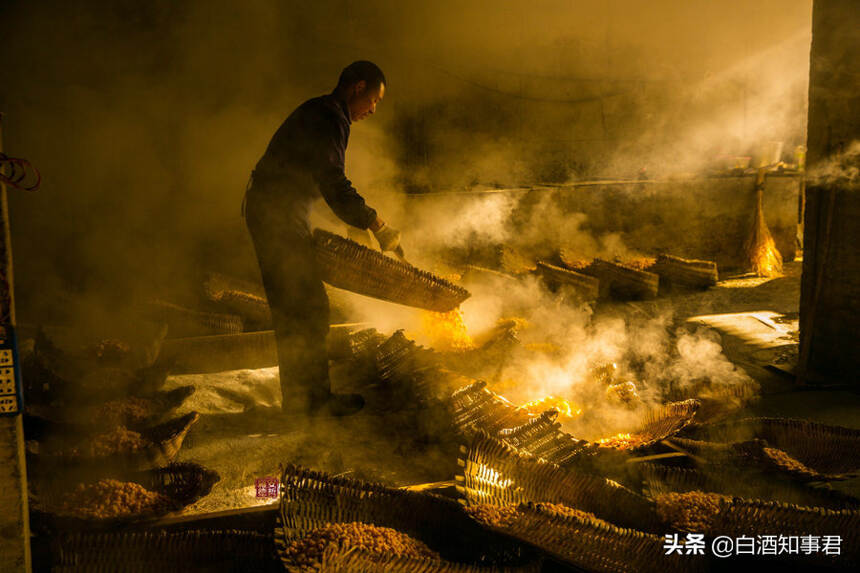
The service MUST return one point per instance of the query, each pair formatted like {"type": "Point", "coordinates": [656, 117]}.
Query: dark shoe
{"type": "Point", "coordinates": [339, 405]}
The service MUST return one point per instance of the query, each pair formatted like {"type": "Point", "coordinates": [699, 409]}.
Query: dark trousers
{"type": "Point", "coordinates": [297, 298]}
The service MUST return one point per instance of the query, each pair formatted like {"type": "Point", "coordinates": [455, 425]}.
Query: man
{"type": "Point", "coordinates": [304, 159]}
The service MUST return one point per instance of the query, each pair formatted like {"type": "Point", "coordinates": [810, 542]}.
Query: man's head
{"type": "Point", "coordinates": [362, 85]}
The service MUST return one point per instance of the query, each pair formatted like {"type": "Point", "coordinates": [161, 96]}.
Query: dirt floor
{"type": "Point", "coordinates": [242, 435]}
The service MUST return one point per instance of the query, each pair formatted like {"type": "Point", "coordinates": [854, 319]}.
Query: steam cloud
{"type": "Point", "coordinates": [146, 119]}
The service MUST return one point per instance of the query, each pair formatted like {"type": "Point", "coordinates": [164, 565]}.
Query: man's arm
{"type": "Point", "coordinates": [336, 189]}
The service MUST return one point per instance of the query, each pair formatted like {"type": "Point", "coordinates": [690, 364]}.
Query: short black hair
{"type": "Point", "coordinates": [361, 70]}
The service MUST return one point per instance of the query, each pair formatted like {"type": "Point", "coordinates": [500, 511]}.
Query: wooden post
{"type": "Point", "coordinates": [14, 510]}
{"type": "Point", "coordinates": [830, 285]}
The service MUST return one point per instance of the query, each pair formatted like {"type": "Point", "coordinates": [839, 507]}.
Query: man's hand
{"type": "Point", "coordinates": [388, 238]}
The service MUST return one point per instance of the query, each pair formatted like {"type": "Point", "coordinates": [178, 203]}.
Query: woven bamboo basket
{"type": "Point", "coordinates": [758, 453]}
{"type": "Point", "coordinates": [474, 408]}
{"type": "Point", "coordinates": [216, 283]}
{"type": "Point", "coordinates": [826, 449]}
{"type": "Point", "coordinates": [181, 483]}
{"type": "Point", "coordinates": [739, 482]}
{"type": "Point", "coordinates": [395, 357]}
{"type": "Point", "coordinates": [495, 473]}
{"type": "Point", "coordinates": [623, 282]}
{"type": "Point", "coordinates": [165, 551]}
{"type": "Point", "coordinates": [364, 344]}
{"type": "Point", "coordinates": [759, 517]}
{"type": "Point", "coordinates": [717, 401]}
{"type": "Point", "coordinates": [755, 453]}
{"type": "Point", "coordinates": [310, 500]}
{"type": "Point", "coordinates": [163, 444]}
{"type": "Point", "coordinates": [183, 322]}
{"type": "Point", "coordinates": [186, 482]}
{"type": "Point", "coordinates": [690, 273]}
{"type": "Point", "coordinates": [412, 371]}
{"type": "Point", "coordinates": [252, 308]}
{"type": "Point", "coordinates": [346, 264]}
{"type": "Point", "coordinates": [593, 544]}
{"type": "Point", "coordinates": [660, 423]}
{"type": "Point", "coordinates": [585, 286]}
{"type": "Point", "coordinates": [542, 437]}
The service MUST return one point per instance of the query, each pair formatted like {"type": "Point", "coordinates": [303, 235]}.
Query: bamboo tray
{"type": "Point", "coordinates": [164, 443]}
{"type": "Point", "coordinates": [593, 544]}
{"type": "Point", "coordinates": [181, 483]}
{"type": "Point", "coordinates": [164, 551]}
{"type": "Point", "coordinates": [826, 449]}
{"type": "Point", "coordinates": [496, 474]}
{"type": "Point", "coordinates": [311, 499]}
{"type": "Point", "coordinates": [739, 482]}
{"type": "Point", "coordinates": [348, 265]}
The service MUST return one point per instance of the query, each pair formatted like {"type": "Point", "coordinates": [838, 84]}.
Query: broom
{"type": "Point", "coordinates": [760, 251]}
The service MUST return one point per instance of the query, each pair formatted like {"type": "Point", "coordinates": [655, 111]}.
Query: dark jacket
{"type": "Point", "coordinates": [306, 154]}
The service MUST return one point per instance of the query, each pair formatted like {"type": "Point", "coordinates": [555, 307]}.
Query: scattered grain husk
{"type": "Point", "coordinates": [109, 498]}
{"type": "Point", "coordinates": [375, 540]}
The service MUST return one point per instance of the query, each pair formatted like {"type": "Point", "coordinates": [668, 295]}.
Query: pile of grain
{"type": "Point", "coordinates": [375, 540]}
{"type": "Point", "coordinates": [572, 260]}
{"type": "Point", "coordinates": [640, 263]}
{"type": "Point", "coordinates": [498, 516]}
{"type": "Point", "coordinates": [692, 511]}
{"type": "Point", "coordinates": [785, 461]}
{"type": "Point", "coordinates": [620, 441]}
{"type": "Point", "coordinates": [119, 441]}
{"type": "Point", "coordinates": [110, 498]}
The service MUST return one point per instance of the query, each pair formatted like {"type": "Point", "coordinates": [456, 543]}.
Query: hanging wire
{"type": "Point", "coordinates": [19, 173]}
